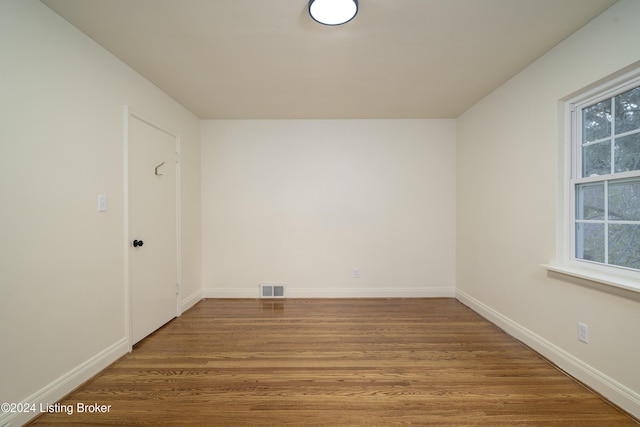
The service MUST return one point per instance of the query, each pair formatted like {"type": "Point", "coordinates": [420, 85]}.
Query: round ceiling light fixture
{"type": "Point", "coordinates": [333, 12]}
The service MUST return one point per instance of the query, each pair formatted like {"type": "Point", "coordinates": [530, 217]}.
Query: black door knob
{"type": "Point", "coordinates": [137, 243]}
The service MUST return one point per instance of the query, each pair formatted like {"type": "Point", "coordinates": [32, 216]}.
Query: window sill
{"type": "Point", "coordinates": [619, 281]}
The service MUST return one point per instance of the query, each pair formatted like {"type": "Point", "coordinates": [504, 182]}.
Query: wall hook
{"type": "Point", "coordinates": [159, 174]}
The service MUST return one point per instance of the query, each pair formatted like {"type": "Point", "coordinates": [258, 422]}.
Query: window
{"type": "Point", "coordinates": [604, 186]}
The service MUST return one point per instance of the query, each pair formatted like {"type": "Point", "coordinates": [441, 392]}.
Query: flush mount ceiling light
{"type": "Point", "coordinates": [333, 12]}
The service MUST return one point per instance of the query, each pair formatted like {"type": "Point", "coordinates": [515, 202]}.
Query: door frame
{"type": "Point", "coordinates": [128, 325]}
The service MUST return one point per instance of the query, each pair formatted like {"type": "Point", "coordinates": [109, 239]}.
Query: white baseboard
{"type": "Point", "coordinates": [230, 293]}
{"type": "Point", "coordinates": [335, 292]}
{"type": "Point", "coordinates": [64, 385]}
{"type": "Point", "coordinates": [190, 301]}
{"type": "Point", "coordinates": [616, 392]}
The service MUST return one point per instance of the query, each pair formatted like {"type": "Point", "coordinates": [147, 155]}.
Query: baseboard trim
{"type": "Point", "coordinates": [230, 293]}
{"type": "Point", "coordinates": [336, 292]}
{"type": "Point", "coordinates": [611, 389]}
{"type": "Point", "coordinates": [64, 385]}
{"type": "Point", "coordinates": [190, 301]}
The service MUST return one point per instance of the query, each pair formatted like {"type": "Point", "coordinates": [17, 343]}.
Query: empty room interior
{"type": "Point", "coordinates": [180, 160]}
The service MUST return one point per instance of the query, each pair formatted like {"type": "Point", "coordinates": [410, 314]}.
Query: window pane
{"type": "Point", "coordinates": [627, 152]}
{"type": "Point", "coordinates": [596, 159]}
{"type": "Point", "coordinates": [628, 111]}
{"type": "Point", "coordinates": [624, 245]}
{"type": "Point", "coordinates": [596, 121]}
{"type": "Point", "coordinates": [590, 242]}
{"type": "Point", "coordinates": [624, 200]}
{"type": "Point", "coordinates": [590, 201]}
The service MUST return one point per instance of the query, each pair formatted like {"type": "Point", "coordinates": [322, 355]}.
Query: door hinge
{"type": "Point", "coordinates": [177, 157]}
{"type": "Point", "coordinates": [177, 288]}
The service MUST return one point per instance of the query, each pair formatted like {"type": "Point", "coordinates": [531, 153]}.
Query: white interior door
{"type": "Point", "coordinates": [153, 260]}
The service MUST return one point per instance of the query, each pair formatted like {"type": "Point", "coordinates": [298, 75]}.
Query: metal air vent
{"type": "Point", "coordinates": [272, 290]}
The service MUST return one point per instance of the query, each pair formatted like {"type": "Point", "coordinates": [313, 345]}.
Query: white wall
{"type": "Point", "coordinates": [506, 201]}
{"type": "Point", "coordinates": [305, 201]}
{"type": "Point", "coordinates": [62, 306]}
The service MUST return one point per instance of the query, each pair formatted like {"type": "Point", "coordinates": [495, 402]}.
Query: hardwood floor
{"type": "Point", "coordinates": [335, 363]}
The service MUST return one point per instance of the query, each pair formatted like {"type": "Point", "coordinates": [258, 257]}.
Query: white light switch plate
{"type": "Point", "coordinates": [102, 203]}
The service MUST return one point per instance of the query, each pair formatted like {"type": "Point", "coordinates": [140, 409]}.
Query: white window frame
{"type": "Point", "coordinates": [569, 155]}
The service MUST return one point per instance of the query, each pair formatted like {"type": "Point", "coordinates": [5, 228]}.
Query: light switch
{"type": "Point", "coordinates": [102, 203]}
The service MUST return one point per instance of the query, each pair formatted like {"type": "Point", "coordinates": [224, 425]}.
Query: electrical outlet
{"type": "Point", "coordinates": [356, 273]}
{"type": "Point", "coordinates": [583, 332]}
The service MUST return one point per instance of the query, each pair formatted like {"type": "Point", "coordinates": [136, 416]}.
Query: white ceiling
{"type": "Point", "coordinates": [267, 59]}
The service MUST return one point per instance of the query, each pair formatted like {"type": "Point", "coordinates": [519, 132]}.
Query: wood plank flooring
{"type": "Point", "coordinates": [344, 362]}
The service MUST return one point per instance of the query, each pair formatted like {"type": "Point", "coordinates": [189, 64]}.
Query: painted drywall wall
{"type": "Point", "coordinates": [506, 200]}
{"type": "Point", "coordinates": [304, 202]}
{"type": "Point", "coordinates": [62, 304]}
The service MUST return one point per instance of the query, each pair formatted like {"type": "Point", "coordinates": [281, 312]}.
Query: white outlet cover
{"type": "Point", "coordinates": [583, 332]}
